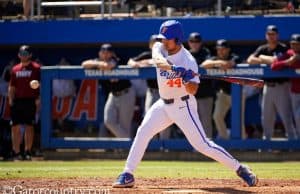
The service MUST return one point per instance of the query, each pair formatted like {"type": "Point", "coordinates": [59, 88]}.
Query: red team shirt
{"type": "Point", "coordinates": [21, 77]}
{"type": "Point", "coordinates": [279, 64]}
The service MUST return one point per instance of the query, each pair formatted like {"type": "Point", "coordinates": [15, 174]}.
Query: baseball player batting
{"type": "Point", "coordinates": [177, 104]}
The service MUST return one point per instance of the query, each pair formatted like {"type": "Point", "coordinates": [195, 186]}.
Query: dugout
{"type": "Point", "coordinates": [80, 39]}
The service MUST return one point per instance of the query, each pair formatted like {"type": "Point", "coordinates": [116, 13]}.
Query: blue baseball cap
{"type": "Point", "coordinates": [171, 29]}
{"type": "Point", "coordinates": [222, 43]}
{"type": "Point", "coordinates": [106, 47]}
{"type": "Point", "coordinates": [272, 28]}
{"type": "Point", "coordinates": [25, 51]}
{"type": "Point", "coordinates": [195, 37]}
{"type": "Point", "coordinates": [295, 38]}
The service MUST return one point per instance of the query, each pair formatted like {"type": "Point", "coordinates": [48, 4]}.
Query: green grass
{"type": "Point", "coordinates": [147, 169]}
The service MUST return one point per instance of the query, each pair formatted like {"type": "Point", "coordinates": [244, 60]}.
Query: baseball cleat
{"type": "Point", "coordinates": [125, 180]}
{"type": "Point", "coordinates": [247, 175]}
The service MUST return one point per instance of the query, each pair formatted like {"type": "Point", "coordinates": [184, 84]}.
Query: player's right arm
{"type": "Point", "coordinates": [158, 56]}
{"type": "Point", "coordinates": [11, 94]}
{"type": "Point", "coordinates": [266, 59]}
{"type": "Point", "coordinates": [90, 64]}
{"type": "Point", "coordinates": [142, 60]}
{"type": "Point", "coordinates": [141, 63]}
{"type": "Point", "coordinates": [287, 60]}
{"type": "Point", "coordinates": [214, 62]}
{"type": "Point", "coordinates": [94, 64]}
{"type": "Point", "coordinates": [191, 87]}
{"type": "Point", "coordinates": [254, 59]}
{"type": "Point", "coordinates": [11, 89]}
{"type": "Point", "coordinates": [209, 63]}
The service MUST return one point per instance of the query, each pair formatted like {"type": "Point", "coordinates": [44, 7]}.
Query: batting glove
{"type": "Point", "coordinates": [178, 70]}
{"type": "Point", "coordinates": [188, 75]}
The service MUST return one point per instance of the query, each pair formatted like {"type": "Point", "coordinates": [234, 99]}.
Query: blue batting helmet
{"type": "Point", "coordinates": [171, 29]}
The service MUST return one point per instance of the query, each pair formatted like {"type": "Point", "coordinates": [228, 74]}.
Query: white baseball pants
{"type": "Point", "coordinates": [185, 115]}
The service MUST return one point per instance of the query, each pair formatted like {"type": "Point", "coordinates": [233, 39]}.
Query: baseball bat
{"type": "Point", "coordinates": [236, 80]}
{"type": "Point", "coordinates": [231, 79]}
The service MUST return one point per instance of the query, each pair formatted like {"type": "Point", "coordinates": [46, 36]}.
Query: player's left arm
{"type": "Point", "coordinates": [159, 58]}
{"type": "Point", "coordinates": [294, 61]}
{"type": "Point", "coordinates": [108, 65]}
{"type": "Point", "coordinates": [266, 59]}
{"type": "Point", "coordinates": [287, 60]}
{"type": "Point", "coordinates": [38, 99]}
{"type": "Point", "coordinates": [11, 94]}
{"type": "Point", "coordinates": [12, 88]}
{"type": "Point", "coordinates": [191, 87]}
{"type": "Point", "coordinates": [190, 81]}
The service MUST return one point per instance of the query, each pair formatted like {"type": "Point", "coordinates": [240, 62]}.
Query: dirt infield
{"type": "Point", "coordinates": [165, 185]}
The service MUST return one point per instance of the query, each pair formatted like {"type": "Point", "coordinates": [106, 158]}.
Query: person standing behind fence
{"type": "Point", "coordinates": [291, 59]}
{"type": "Point", "coordinates": [276, 95]}
{"type": "Point", "coordinates": [62, 89]}
{"type": "Point", "coordinates": [23, 101]}
{"type": "Point", "coordinates": [225, 59]}
{"type": "Point", "coordinates": [205, 93]}
{"type": "Point", "coordinates": [26, 8]}
{"type": "Point", "coordinates": [152, 94]}
{"type": "Point", "coordinates": [5, 128]}
{"type": "Point", "coordinates": [119, 107]}
{"type": "Point", "coordinates": [145, 60]}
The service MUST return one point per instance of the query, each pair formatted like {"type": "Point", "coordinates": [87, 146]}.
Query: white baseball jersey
{"type": "Point", "coordinates": [170, 85]}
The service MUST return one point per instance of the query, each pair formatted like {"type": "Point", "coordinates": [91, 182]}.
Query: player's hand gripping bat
{"type": "Point", "coordinates": [231, 79]}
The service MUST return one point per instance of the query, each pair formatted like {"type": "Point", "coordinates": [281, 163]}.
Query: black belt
{"type": "Point", "coordinates": [171, 100]}
{"type": "Point", "coordinates": [121, 92]}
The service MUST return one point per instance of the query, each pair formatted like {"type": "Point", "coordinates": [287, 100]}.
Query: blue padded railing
{"type": "Point", "coordinates": [76, 72]}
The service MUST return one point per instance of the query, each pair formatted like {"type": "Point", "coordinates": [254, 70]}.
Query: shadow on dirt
{"type": "Point", "coordinates": [226, 190]}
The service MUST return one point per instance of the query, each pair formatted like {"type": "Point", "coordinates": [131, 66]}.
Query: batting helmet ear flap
{"type": "Point", "coordinates": [177, 41]}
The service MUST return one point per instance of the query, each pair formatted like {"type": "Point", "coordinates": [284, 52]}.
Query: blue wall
{"type": "Point", "coordinates": [237, 28]}
{"type": "Point", "coordinates": [49, 73]}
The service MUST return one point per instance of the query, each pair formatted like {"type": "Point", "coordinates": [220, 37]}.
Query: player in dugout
{"type": "Point", "coordinates": [291, 59]}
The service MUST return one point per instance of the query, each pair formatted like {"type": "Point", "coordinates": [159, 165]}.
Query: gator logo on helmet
{"type": "Point", "coordinates": [164, 29]}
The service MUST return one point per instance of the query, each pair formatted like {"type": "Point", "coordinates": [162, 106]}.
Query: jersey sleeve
{"type": "Point", "coordinates": [143, 56]}
{"type": "Point", "coordinates": [284, 56]}
{"type": "Point", "coordinates": [212, 58]}
{"type": "Point", "coordinates": [236, 58]}
{"type": "Point", "coordinates": [280, 62]}
{"type": "Point", "coordinates": [258, 51]}
{"type": "Point", "coordinates": [37, 71]}
{"type": "Point", "coordinates": [158, 50]}
{"type": "Point", "coordinates": [39, 74]}
{"type": "Point", "coordinates": [208, 54]}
